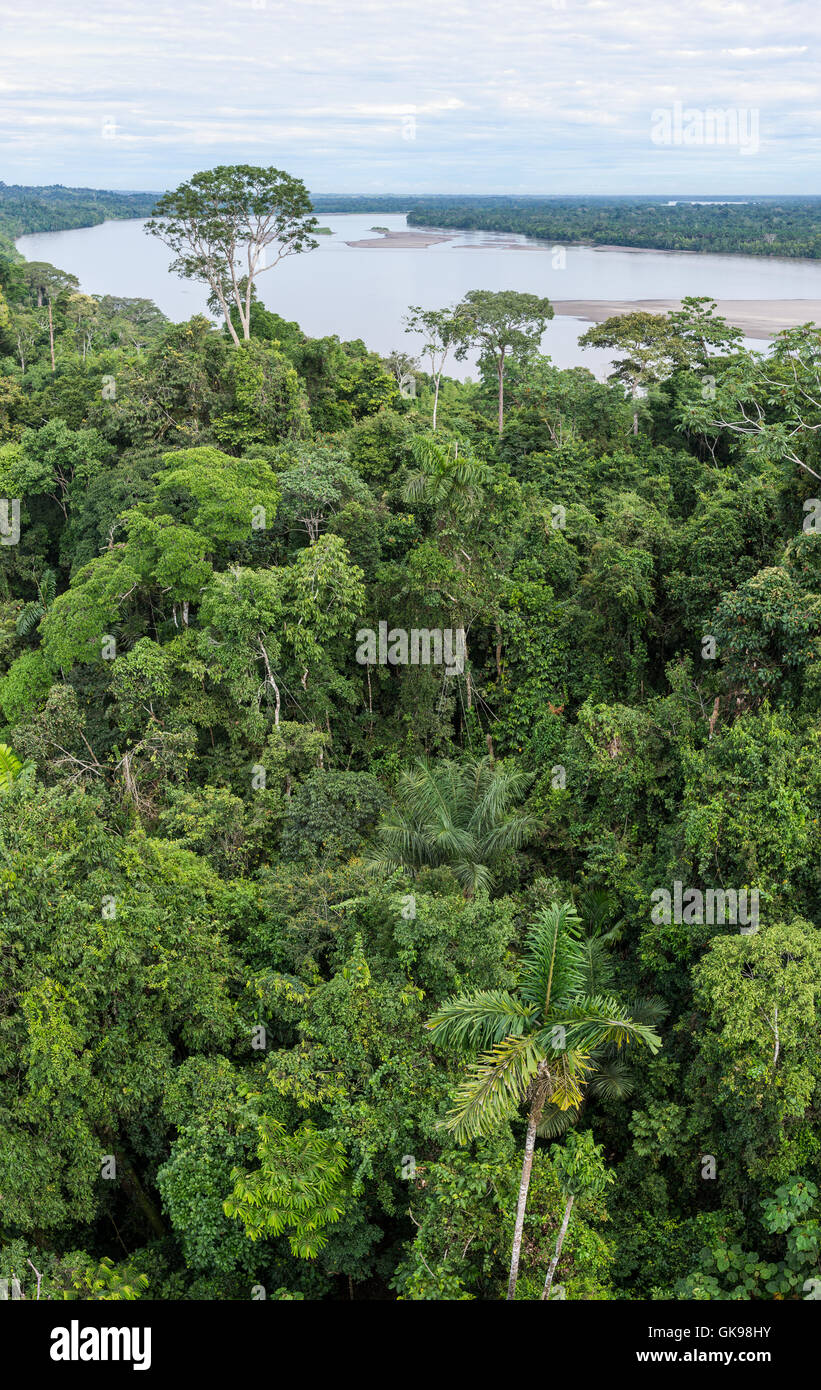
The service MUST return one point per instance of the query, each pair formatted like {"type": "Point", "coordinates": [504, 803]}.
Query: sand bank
{"type": "Point", "coordinates": [401, 241]}
{"type": "Point", "coordinates": [757, 318]}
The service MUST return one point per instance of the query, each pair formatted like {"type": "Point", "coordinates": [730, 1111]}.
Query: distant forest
{"type": "Point", "coordinates": [56, 209]}
{"type": "Point", "coordinates": [758, 227]}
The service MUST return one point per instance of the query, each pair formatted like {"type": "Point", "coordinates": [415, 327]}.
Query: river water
{"type": "Point", "coordinates": [364, 293]}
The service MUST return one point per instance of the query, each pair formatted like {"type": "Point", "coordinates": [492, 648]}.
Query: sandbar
{"type": "Point", "coordinates": [401, 241]}
{"type": "Point", "coordinates": [757, 318]}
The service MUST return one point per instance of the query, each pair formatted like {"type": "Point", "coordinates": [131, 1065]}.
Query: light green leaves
{"type": "Point", "coordinates": [300, 1187]}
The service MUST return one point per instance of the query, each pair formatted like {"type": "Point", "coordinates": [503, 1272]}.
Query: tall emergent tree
{"type": "Point", "coordinates": [504, 324]}
{"type": "Point", "coordinates": [441, 329]}
{"type": "Point", "coordinates": [47, 282]}
{"type": "Point", "coordinates": [653, 348]}
{"type": "Point", "coordinates": [536, 1043]}
{"type": "Point", "coordinates": [220, 223]}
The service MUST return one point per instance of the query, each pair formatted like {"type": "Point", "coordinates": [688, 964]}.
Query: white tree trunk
{"type": "Point", "coordinates": [501, 370]}
{"type": "Point", "coordinates": [557, 1252]}
{"type": "Point", "coordinates": [527, 1168]}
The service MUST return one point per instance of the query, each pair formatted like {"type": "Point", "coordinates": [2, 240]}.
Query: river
{"type": "Point", "coordinates": [363, 293]}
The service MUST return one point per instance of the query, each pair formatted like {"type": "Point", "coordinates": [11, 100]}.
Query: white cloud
{"type": "Point", "coordinates": [543, 98]}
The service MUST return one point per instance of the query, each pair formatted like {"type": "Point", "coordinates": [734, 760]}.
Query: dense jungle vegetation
{"type": "Point", "coordinates": [326, 975]}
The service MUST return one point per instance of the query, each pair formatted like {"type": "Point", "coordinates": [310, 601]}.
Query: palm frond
{"type": "Point", "coordinates": [567, 1076]}
{"type": "Point", "coordinates": [555, 1122]}
{"type": "Point", "coordinates": [552, 964]}
{"type": "Point", "coordinates": [596, 907]}
{"type": "Point", "coordinates": [471, 875]}
{"type": "Point", "coordinates": [10, 766]}
{"type": "Point", "coordinates": [594, 1021]}
{"type": "Point", "coordinates": [613, 1081]}
{"type": "Point", "coordinates": [415, 488]}
{"type": "Point", "coordinates": [29, 617]}
{"type": "Point", "coordinates": [648, 1008]}
{"type": "Point", "coordinates": [496, 788]}
{"type": "Point", "coordinates": [477, 1022]}
{"type": "Point", "coordinates": [597, 965]}
{"type": "Point", "coordinates": [494, 1087]}
{"type": "Point", "coordinates": [510, 834]}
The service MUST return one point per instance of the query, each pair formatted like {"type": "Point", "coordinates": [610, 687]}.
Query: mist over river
{"type": "Point", "coordinates": [363, 292]}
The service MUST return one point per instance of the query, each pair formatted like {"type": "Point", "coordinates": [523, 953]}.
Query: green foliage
{"type": "Point", "coordinates": [364, 960]}
{"type": "Point", "coordinates": [463, 816]}
{"type": "Point", "coordinates": [300, 1187]}
{"type": "Point", "coordinates": [728, 1272]}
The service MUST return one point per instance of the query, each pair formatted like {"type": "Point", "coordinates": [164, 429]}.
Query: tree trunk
{"type": "Point", "coordinates": [246, 318]}
{"type": "Point", "coordinates": [51, 335]}
{"type": "Point", "coordinates": [635, 422]}
{"type": "Point", "coordinates": [527, 1167]}
{"type": "Point", "coordinates": [270, 677]}
{"type": "Point", "coordinates": [226, 312]}
{"type": "Point", "coordinates": [500, 367]}
{"type": "Point", "coordinates": [436, 399]}
{"type": "Point", "coordinates": [548, 1283]}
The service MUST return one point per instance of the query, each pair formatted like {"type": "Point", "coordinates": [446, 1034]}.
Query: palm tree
{"type": "Point", "coordinates": [10, 766]}
{"type": "Point", "coordinates": [537, 1043]}
{"type": "Point", "coordinates": [462, 815]}
{"type": "Point", "coordinates": [611, 1078]}
{"type": "Point", "coordinates": [448, 476]}
{"type": "Point", "coordinates": [35, 609]}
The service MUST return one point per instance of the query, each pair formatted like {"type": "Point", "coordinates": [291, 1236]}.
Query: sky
{"type": "Point", "coordinates": [416, 96]}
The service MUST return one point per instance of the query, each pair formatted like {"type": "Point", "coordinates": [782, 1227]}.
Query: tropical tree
{"type": "Point", "coordinates": [536, 1042]}
{"type": "Point", "coordinates": [460, 815]}
{"type": "Point", "coordinates": [316, 482]}
{"type": "Point", "coordinates": [770, 401]}
{"type": "Point", "coordinates": [448, 476]}
{"type": "Point", "coordinates": [579, 1167]}
{"type": "Point", "coordinates": [220, 224]}
{"type": "Point", "coordinates": [504, 324]}
{"type": "Point", "coordinates": [611, 1077]}
{"type": "Point", "coordinates": [441, 330]}
{"type": "Point", "coordinates": [47, 282]}
{"type": "Point", "coordinates": [653, 350]}
{"type": "Point", "coordinates": [300, 1186]}
{"type": "Point", "coordinates": [701, 330]}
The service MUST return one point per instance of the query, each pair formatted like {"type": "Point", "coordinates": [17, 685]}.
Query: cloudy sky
{"type": "Point", "coordinates": [541, 96]}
